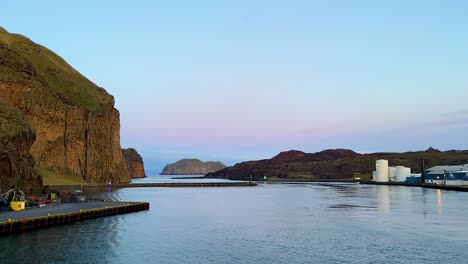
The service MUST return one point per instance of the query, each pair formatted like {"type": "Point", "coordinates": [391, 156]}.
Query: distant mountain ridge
{"type": "Point", "coordinates": [299, 156]}
{"type": "Point", "coordinates": [192, 167]}
{"type": "Point", "coordinates": [334, 164]}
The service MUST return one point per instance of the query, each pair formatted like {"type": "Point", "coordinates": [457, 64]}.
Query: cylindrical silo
{"type": "Point", "coordinates": [407, 173]}
{"type": "Point", "coordinates": [402, 172]}
{"type": "Point", "coordinates": [392, 173]}
{"type": "Point", "coordinates": [381, 167]}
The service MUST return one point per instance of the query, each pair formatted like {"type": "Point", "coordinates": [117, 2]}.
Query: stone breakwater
{"type": "Point", "coordinates": [93, 187]}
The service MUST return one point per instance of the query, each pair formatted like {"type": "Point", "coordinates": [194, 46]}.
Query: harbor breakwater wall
{"type": "Point", "coordinates": [90, 186]}
{"type": "Point", "coordinates": [421, 185]}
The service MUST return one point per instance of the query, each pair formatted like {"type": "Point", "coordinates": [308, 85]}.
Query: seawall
{"type": "Point", "coordinates": [140, 185]}
{"type": "Point", "coordinates": [421, 185]}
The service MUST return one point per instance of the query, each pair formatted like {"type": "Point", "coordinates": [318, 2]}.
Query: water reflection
{"type": "Point", "coordinates": [401, 197]}
{"type": "Point", "coordinates": [272, 223]}
{"type": "Point", "coordinates": [439, 201]}
{"type": "Point", "coordinates": [69, 243]}
{"type": "Point", "coordinates": [383, 198]}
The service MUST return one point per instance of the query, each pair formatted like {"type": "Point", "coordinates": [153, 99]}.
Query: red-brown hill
{"type": "Point", "coordinates": [334, 164]}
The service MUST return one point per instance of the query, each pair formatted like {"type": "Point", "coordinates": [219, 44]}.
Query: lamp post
{"type": "Point", "coordinates": [423, 177]}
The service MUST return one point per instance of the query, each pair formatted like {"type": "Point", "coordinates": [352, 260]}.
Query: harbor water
{"type": "Point", "coordinates": [269, 223]}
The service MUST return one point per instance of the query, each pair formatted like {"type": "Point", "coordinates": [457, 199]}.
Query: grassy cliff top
{"type": "Point", "coordinates": [188, 161]}
{"type": "Point", "coordinates": [20, 53]}
{"type": "Point", "coordinates": [194, 161]}
{"type": "Point", "coordinates": [11, 120]}
{"type": "Point", "coordinates": [52, 178]}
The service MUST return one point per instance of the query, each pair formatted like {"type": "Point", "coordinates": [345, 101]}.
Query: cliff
{"type": "Point", "coordinates": [134, 163]}
{"type": "Point", "coordinates": [77, 127]}
{"type": "Point", "coordinates": [192, 167]}
{"type": "Point", "coordinates": [334, 164]}
{"type": "Point", "coordinates": [16, 164]}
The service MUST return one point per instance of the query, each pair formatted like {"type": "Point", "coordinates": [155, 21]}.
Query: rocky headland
{"type": "Point", "coordinates": [134, 163]}
{"type": "Point", "coordinates": [192, 167]}
{"type": "Point", "coordinates": [76, 125]}
{"type": "Point", "coordinates": [334, 164]}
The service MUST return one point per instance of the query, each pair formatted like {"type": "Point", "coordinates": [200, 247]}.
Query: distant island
{"type": "Point", "coordinates": [192, 167]}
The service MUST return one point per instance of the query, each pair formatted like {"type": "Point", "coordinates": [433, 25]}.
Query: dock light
{"type": "Point", "coordinates": [9, 219]}
{"type": "Point", "coordinates": [106, 206]}
{"type": "Point", "coordinates": [48, 214]}
{"type": "Point", "coordinates": [81, 210]}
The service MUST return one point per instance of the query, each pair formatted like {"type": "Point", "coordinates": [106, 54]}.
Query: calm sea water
{"type": "Point", "coordinates": [271, 223]}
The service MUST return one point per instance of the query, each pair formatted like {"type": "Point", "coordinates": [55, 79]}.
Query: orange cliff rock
{"type": "Point", "coordinates": [77, 127]}
{"type": "Point", "coordinates": [16, 164]}
{"type": "Point", "coordinates": [134, 163]}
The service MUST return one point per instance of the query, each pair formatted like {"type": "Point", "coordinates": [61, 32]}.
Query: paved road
{"type": "Point", "coordinates": [55, 209]}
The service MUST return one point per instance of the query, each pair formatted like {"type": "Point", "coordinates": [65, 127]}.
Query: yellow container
{"type": "Point", "coordinates": [53, 195]}
{"type": "Point", "coordinates": [18, 205]}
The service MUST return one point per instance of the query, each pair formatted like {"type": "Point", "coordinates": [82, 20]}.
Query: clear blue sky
{"type": "Point", "coordinates": [240, 80]}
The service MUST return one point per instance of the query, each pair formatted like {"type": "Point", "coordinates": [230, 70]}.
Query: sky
{"type": "Point", "coordinates": [242, 80]}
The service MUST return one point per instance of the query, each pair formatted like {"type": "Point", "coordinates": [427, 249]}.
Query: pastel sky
{"type": "Point", "coordinates": [240, 80]}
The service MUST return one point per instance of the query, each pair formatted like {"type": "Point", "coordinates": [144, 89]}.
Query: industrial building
{"type": "Point", "coordinates": [447, 175]}
{"type": "Point", "coordinates": [454, 175]}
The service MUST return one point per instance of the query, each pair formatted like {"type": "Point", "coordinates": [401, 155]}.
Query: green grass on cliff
{"type": "Point", "coordinates": [20, 52]}
{"type": "Point", "coordinates": [11, 120]}
{"type": "Point", "coordinates": [54, 178]}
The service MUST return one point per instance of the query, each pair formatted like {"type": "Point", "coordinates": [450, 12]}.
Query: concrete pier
{"type": "Point", "coordinates": [31, 219]}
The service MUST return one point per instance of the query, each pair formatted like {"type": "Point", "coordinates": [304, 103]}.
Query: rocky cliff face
{"type": "Point", "coordinates": [134, 163]}
{"type": "Point", "coordinates": [77, 126]}
{"type": "Point", "coordinates": [192, 167]}
{"type": "Point", "coordinates": [16, 164]}
{"type": "Point", "coordinates": [333, 164]}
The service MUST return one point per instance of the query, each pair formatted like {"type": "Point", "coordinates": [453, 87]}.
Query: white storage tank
{"type": "Point", "coordinates": [407, 173]}
{"type": "Point", "coordinates": [392, 173]}
{"type": "Point", "coordinates": [402, 172]}
{"type": "Point", "coordinates": [382, 171]}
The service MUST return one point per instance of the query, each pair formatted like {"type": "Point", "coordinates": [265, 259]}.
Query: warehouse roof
{"type": "Point", "coordinates": [444, 168]}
